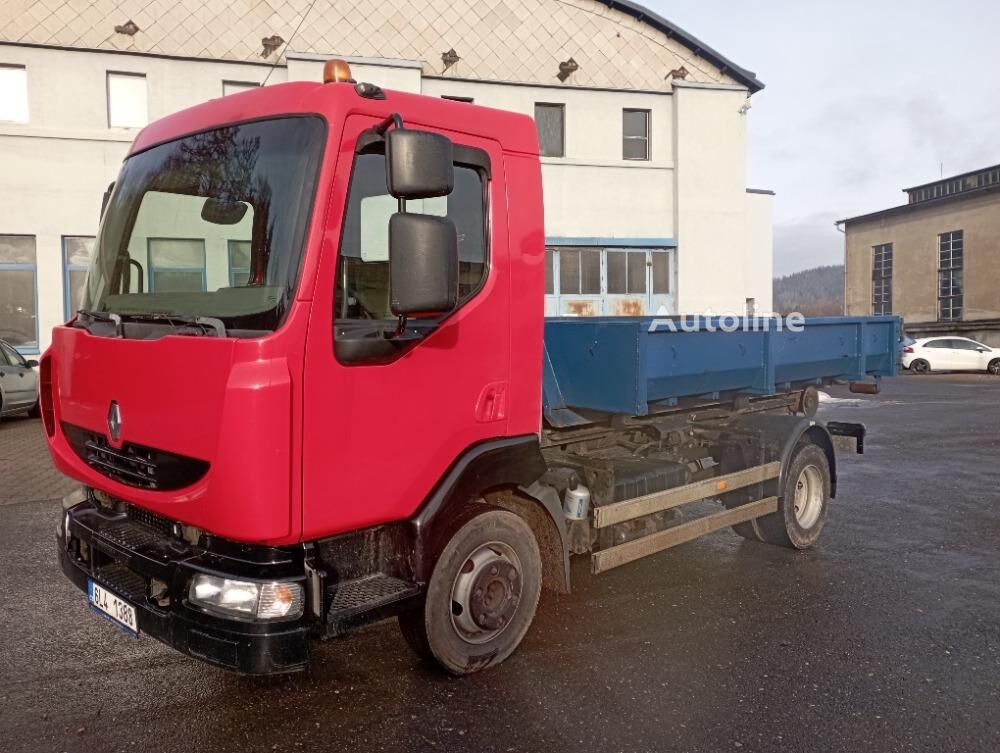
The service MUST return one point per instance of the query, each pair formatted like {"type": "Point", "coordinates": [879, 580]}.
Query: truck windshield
{"type": "Point", "coordinates": [210, 225]}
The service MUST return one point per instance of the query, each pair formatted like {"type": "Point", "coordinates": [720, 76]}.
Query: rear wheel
{"type": "Point", "coordinates": [994, 367]}
{"type": "Point", "coordinates": [481, 597]}
{"type": "Point", "coordinates": [802, 505]}
{"type": "Point", "coordinates": [920, 366]}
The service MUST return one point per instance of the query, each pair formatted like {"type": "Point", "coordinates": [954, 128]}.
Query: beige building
{"type": "Point", "coordinates": [935, 260]}
{"type": "Point", "coordinates": [642, 129]}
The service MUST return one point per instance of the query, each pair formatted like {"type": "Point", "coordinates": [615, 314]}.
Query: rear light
{"type": "Point", "coordinates": [908, 349]}
{"type": "Point", "coordinates": [45, 395]}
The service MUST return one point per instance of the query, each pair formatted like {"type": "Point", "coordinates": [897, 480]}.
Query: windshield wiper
{"type": "Point", "coordinates": [206, 324]}
{"type": "Point", "coordinates": [101, 316]}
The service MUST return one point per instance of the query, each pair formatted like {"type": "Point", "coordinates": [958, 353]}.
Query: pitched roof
{"type": "Point", "coordinates": [616, 43]}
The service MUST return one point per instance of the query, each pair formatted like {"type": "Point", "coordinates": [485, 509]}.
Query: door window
{"type": "Point", "coordinates": [963, 344]}
{"type": "Point", "coordinates": [13, 357]}
{"type": "Point", "coordinates": [363, 271]}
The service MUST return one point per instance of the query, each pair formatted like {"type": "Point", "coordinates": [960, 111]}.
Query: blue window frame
{"type": "Point", "coordinates": [176, 265]}
{"type": "Point", "coordinates": [239, 263]}
{"type": "Point", "coordinates": [19, 292]}
{"type": "Point", "coordinates": [77, 252]}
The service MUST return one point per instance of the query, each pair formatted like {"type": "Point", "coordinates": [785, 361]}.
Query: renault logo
{"type": "Point", "coordinates": [114, 421]}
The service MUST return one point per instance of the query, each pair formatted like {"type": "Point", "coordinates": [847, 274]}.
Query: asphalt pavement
{"type": "Point", "coordinates": [885, 637]}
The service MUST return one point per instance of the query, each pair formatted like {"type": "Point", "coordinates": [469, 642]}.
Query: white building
{"type": "Point", "coordinates": [643, 130]}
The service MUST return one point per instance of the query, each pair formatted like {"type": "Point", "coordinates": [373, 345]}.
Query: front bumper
{"type": "Point", "coordinates": [137, 557]}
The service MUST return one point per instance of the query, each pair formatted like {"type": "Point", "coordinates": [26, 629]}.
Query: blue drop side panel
{"type": "Point", "coordinates": [616, 365]}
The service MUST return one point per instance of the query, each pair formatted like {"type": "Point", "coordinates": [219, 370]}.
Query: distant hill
{"type": "Point", "coordinates": [813, 292]}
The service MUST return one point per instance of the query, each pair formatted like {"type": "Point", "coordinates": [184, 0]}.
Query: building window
{"type": "Point", "coordinates": [882, 279]}
{"type": "Point", "coordinates": [456, 98]}
{"type": "Point", "coordinates": [235, 87]}
{"type": "Point", "coordinates": [635, 134]}
{"type": "Point", "coordinates": [950, 265]}
{"type": "Point", "coordinates": [18, 305]}
{"type": "Point", "coordinates": [751, 304]}
{"type": "Point", "coordinates": [591, 281]}
{"type": "Point", "coordinates": [661, 272]}
{"type": "Point", "coordinates": [177, 265]}
{"type": "Point", "coordinates": [127, 100]}
{"type": "Point", "coordinates": [579, 271]}
{"type": "Point", "coordinates": [626, 272]}
{"type": "Point", "coordinates": [239, 263]}
{"type": "Point", "coordinates": [77, 251]}
{"type": "Point", "coordinates": [551, 122]}
{"type": "Point", "coordinates": [13, 93]}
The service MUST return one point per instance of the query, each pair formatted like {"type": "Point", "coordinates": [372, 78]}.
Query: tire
{"type": "Point", "coordinates": [994, 367]}
{"type": "Point", "coordinates": [920, 366]}
{"type": "Point", "coordinates": [35, 411]}
{"type": "Point", "coordinates": [491, 563]}
{"type": "Point", "coordinates": [786, 527]}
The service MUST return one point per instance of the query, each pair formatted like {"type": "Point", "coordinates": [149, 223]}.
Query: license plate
{"type": "Point", "coordinates": [113, 608]}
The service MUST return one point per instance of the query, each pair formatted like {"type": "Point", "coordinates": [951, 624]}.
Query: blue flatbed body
{"type": "Point", "coordinates": [601, 366]}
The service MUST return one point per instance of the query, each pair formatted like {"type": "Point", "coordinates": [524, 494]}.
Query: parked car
{"type": "Point", "coordinates": [950, 354]}
{"type": "Point", "coordinates": [18, 382]}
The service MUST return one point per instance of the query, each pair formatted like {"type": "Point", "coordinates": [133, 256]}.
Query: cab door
{"type": "Point", "coordinates": [380, 433]}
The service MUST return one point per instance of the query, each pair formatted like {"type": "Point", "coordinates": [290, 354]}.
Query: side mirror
{"type": "Point", "coordinates": [423, 265]}
{"type": "Point", "coordinates": [418, 164]}
{"type": "Point", "coordinates": [32, 364]}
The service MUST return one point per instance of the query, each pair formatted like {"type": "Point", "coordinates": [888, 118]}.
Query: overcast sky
{"type": "Point", "coordinates": [862, 99]}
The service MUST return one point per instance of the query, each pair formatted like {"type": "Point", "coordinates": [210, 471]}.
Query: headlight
{"type": "Point", "coordinates": [247, 599]}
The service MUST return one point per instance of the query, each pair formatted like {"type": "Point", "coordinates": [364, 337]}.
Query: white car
{"type": "Point", "coordinates": [18, 382]}
{"type": "Point", "coordinates": [950, 354]}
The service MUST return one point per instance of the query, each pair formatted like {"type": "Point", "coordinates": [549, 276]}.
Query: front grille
{"type": "Point", "coordinates": [150, 519]}
{"type": "Point", "coordinates": [131, 535]}
{"type": "Point", "coordinates": [133, 464]}
{"type": "Point", "coordinates": [122, 581]}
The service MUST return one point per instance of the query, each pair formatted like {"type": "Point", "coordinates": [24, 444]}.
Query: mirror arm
{"type": "Point", "coordinates": [135, 263]}
{"type": "Point", "coordinates": [401, 321]}
{"type": "Point", "coordinates": [393, 120]}
{"type": "Point", "coordinates": [400, 326]}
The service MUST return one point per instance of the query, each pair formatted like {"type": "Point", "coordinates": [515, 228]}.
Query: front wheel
{"type": "Point", "coordinates": [481, 597]}
{"type": "Point", "coordinates": [994, 367]}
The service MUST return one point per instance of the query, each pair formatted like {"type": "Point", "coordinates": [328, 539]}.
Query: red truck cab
{"type": "Point", "coordinates": [262, 418]}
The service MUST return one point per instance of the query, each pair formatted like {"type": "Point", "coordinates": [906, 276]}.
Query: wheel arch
{"type": "Point", "coordinates": [503, 473]}
{"type": "Point", "coordinates": [778, 436]}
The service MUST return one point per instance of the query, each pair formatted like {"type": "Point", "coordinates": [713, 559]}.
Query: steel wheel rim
{"type": "Point", "coordinates": [808, 497]}
{"type": "Point", "coordinates": [486, 593]}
